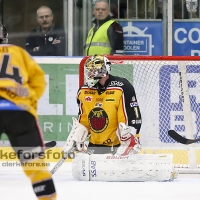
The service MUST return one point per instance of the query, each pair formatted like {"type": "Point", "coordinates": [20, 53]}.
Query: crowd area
{"type": "Point", "coordinates": [151, 9]}
{"type": "Point", "coordinates": [42, 30]}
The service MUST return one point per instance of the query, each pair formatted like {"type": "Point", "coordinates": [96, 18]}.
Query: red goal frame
{"type": "Point", "coordinates": [121, 59]}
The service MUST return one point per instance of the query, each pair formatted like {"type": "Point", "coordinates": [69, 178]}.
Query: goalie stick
{"type": "Point", "coordinates": [62, 160]}
{"type": "Point", "coordinates": [173, 134]}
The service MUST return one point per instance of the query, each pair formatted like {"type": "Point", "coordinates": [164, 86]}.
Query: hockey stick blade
{"type": "Point", "coordinates": [49, 145]}
{"type": "Point", "coordinates": [62, 160]}
{"type": "Point", "coordinates": [173, 134]}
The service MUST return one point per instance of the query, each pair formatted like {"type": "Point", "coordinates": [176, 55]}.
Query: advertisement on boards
{"type": "Point", "coordinates": [143, 38]}
{"type": "Point", "coordinates": [146, 38]}
{"type": "Point", "coordinates": [186, 39]}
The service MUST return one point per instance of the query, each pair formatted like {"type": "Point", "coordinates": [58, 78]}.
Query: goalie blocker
{"type": "Point", "coordinates": [108, 167]}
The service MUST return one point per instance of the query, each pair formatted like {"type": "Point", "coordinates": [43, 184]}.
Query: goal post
{"type": "Point", "coordinates": [168, 93]}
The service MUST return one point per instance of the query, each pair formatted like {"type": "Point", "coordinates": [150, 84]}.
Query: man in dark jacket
{"type": "Point", "coordinates": [106, 36]}
{"type": "Point", "coordinates": [47, 39]}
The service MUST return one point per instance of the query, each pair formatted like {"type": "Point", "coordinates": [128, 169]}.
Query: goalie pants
{"type": "Point", "coordinates": [25, 136]}
{"type": "Point", "coordinates": [101, 149]}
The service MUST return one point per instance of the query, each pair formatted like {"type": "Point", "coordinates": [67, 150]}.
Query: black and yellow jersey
{"type": "Point", "coordinates": [22, 80]}
{"type": "Point", "coordinates": [101, 109]}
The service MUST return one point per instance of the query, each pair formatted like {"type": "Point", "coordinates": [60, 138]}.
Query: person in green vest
{"type": "Point", "coordinates": [106, 36]}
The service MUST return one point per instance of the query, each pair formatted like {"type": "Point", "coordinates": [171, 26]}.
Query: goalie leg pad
{"type": "Point", "coordinates": [80, 166]}
{"type": "Point", "coordinates": [140, 167]}
{"type": "Point", "coordinates": [78, 134]}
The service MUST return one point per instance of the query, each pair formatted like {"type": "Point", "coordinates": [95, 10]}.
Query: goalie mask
{"type": "Point", "coordinates": [3, 35]}
{"type": "Point", "coordinates": [95, 68]}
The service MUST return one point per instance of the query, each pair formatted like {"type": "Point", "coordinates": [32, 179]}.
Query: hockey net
{"type": "Point", "coordinates": [168, 93]}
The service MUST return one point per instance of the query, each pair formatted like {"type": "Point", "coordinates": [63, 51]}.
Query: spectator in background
{"type": "Point", "coordinates": [47, 39]}
{"type": "Point", "coordinates": [197, 8]}
{"type": "Point", "coordinates": [144, 9]}
{"type": "Point", "coordinates": [114, 9]}
{"type": "Point", "coordinates": [106, 36]}
{"type": "Point", "coordinates": [180, 9]}
{"type": "Point", "coordinates": [160, 10]}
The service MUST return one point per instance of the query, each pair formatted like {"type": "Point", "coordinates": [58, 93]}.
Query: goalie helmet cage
{"type": "Point", "coordinates": [168, 93]}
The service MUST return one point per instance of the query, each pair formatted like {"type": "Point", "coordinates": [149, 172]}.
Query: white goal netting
{"type": "Point", "coordinates": [168, 92]}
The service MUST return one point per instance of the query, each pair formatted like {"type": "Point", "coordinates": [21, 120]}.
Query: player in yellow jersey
{"type": "Point", "coordinates": [22, 83]}
{"type": "Point", "coordinates": [109, 113]}
{"type": "Point", "coordinates": [108, 108]}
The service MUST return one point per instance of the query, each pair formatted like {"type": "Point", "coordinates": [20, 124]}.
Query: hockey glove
{"type": "Point", "coordinates": [128, 142]}
{"type": "Point", "coordinates": [76, 138]}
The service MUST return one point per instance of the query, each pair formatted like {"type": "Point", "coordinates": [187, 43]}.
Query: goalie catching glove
{"type": "Point", "coordinates": [128, 142]}
{"type": "Point", "coordinates": [76, 138]}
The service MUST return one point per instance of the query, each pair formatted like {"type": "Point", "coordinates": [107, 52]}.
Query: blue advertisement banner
{"type": "Point", "coordinates": [169, 114]}
{"type": "Point", "coordinates": [186, 39]}
{"type": "Point", "coordinates": [143, 38]}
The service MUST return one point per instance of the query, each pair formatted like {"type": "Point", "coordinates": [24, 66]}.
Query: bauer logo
{"type": "Point", "coordinates": [171, 91]}
{"type": "Point", "coordinates": [116, 157]}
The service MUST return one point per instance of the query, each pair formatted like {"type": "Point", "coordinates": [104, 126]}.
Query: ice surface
{"type": "Point", "coordinates": [14, 185]}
